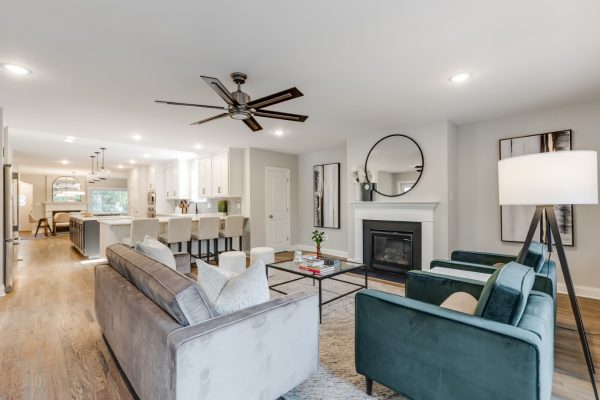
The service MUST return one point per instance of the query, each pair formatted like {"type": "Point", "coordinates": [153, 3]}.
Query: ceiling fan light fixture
{"type": "Point", "coordinates": [240, 114]}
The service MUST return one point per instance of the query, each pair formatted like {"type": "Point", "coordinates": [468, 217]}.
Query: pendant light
{"type": "Point", "coordinates": [92, 176]}
{"type": "Point", "coordinates": [104, 172]}
{"type": "Point", "coordinates": [98, 173]}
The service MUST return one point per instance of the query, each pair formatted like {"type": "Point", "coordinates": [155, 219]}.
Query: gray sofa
{"type": "Point", "coordinates": [171, 344]}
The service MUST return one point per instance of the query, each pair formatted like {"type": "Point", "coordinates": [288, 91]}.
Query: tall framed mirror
{"type": "Point", "coordinates": [395, 165]}
{"type": "Point", "coordinates": [326, 196]}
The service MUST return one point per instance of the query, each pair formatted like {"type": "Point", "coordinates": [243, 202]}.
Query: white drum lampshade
{"type": "Point", "coordinates": [559, 177]}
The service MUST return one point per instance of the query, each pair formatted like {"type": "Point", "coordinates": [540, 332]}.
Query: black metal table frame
{"type": "Point", "coordinates": [320, 279]}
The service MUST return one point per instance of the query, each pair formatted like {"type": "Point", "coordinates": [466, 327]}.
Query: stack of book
{"type": "Point", "coordinates": [317, 267]}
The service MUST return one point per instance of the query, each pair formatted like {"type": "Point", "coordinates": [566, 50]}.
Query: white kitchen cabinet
{"type": "Point", "coordinates": [172, 184]}
{"type": "Point", "coordinates": [226, 174]}
{"type": "Point", "coordinates": [152, 177]}
{"type": "Point", "coordinates": [220, 174]}
{"type": "Point", "coordinates": [177, 180]}
{"type": "Point", "coordinates": [205, 177]}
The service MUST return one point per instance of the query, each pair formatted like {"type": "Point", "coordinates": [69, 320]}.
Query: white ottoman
{"type": "Point", "coordinates": [234, 261]}
{"type": "Point", "coordinates": [266, 254]}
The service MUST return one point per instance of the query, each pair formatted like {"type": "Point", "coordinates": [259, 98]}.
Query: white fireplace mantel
{"type": "Point", "coordinates": [50, 207]}
{"type": "Point", "coordinates": [423, 212]}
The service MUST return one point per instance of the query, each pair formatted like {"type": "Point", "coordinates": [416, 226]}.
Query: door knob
{"type": "Point", "coordinates": [271, 216]}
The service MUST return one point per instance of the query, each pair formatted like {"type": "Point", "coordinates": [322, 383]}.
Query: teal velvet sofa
{"type": "Point", "coordinates": [537, 258]}
{"type": "Point", "coordinates": [505, 350]}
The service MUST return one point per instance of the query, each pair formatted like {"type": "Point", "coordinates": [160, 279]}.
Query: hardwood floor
{"type": "Point", "coordinates": [51, 346]}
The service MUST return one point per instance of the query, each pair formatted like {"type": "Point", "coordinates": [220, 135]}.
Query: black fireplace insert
{"type": "Point", "coordinates": [392, 246]}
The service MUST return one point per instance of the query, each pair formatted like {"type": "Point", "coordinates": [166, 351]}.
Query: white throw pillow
{"type": "Point", "coordinates": [241, 291]}
{"type": "Point", "coordinates": [212, 279]}
{"type": "Point", "coordinates": [461, 302]}
{"type": "Point", "coordinates": [156, 251]}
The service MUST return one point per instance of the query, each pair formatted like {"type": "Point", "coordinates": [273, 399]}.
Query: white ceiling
{"type": "Point", "coordinates": [364, 67]}
{"type": "Point", "coordinates": [43, 153]}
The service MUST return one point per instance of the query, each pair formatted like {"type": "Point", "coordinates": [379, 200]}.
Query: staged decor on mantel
{"type": "Point", "coordinates": [394, 165]}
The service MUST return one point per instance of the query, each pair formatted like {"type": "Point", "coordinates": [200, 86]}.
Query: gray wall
{"type": "Point", "coordinates": [478, 211]}
{"type": "Point", "coordinates": [257, 161]}
{"type": "Point", "coordinates": [437, 183]}
{"type": "Point", "coordinates": [337, 239]}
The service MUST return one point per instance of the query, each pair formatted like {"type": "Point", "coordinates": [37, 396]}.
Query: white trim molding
{"type": "Point", "coordinates": [580, 291]}
{"type": "Point", "coordinates": [326, 251]}
{"type": "Point", "coordinates": [423, 212]}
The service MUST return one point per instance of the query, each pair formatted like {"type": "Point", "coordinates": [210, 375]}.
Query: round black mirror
{"type": "Point", "coordinates": [394, 164]}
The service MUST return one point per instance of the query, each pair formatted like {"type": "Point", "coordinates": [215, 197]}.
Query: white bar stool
{"type": "Point", "coordinates": [141, 227]}
{"type": "Point", "coordinates": [179, 230]}
{"type": "Point", "coordinates": [234, 261]}
{"type": "Point", "coordinates": [208, 229]}
{"type": "Point", "coordinates": [234, 227]}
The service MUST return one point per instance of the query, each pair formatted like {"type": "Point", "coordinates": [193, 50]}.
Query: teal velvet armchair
{"type": "Point", "coordinates": [426, 352]}
{"type": "Point", "coordinates": [537, 258]}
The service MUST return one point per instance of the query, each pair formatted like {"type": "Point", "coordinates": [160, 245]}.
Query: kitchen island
{"type": "Point", "coordinates": [114, 229]}
{"type": "Point", "coordinates": [84, 233]}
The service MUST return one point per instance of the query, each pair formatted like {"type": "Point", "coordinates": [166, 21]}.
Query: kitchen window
{"type": "Point", "coordinates": [108, 201]}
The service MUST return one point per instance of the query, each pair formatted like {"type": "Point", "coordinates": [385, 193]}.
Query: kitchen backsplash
{"type": "Point", "coordinates": [234, 206]}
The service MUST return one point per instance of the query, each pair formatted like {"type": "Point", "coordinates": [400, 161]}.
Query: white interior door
{"type": "Point", "coordinates": [25, 205]}
{"type": "Point", "coordinates": [277, 208]}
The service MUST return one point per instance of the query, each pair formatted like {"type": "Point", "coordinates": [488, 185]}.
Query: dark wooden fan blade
{"type": "Point", "coordinates": [210, 119]}
{"type": "Point", "coordinates": [252, 124]}
{"type": "Point", "coordinates": [275, 98]}
{"type": "Point", "coordinates": [221, 90]}
{"type": "Point", "coordinates": [173, 103]}
{"type": "Point", "coordinates": [280, 115]}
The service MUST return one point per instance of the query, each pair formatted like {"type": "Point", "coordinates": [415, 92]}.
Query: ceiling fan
{"type": "Point", "coordinates": [240, 107]}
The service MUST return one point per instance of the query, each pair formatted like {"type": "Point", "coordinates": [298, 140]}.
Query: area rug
{"type": "Point", "coordinates": [337, 377]}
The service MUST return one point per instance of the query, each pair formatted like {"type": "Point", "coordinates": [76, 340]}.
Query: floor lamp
{"type": "Point", "coordinates": [543, 180]}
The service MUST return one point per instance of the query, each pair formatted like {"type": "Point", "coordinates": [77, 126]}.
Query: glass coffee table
{"type": "Point", "coordinates": [343, 268]}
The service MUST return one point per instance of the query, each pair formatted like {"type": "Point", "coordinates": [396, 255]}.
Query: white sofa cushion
{"type": "Point", "coordinates": [212, 279]}
{"type": "Point", "coordinates": [231, 292]}
{"type": "Point", "coordinates": [156, 251]}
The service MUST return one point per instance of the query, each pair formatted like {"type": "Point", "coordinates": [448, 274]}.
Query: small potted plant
{"type": "Point", "coordinates": [222, 208]}
{"type": "Point", "coordinates": [318, 237]}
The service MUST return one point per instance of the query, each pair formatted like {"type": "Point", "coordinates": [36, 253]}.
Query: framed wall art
{"type": "Point", "coordinates": [326, 196]}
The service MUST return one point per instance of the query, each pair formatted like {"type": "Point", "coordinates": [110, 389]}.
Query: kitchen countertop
{"type": "Point", "coordinates": [98, 218]}
{"type": "Point", "coordinates": [162, 219]}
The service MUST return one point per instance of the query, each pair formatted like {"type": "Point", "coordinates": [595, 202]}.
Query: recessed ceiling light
{"type": "Point", "coordinates": [463, 76]}
{"type": "Point", "coordinates": [136, 137]}
{"type": "Point", "coordinates": [197, 146]}
{"type": "Point", "coordinates": [278, 132]}
{"type": "Point", "coordinates": [131, 161]}
{"type": "Point", "coordinates": [64, 162]}
{"type": "Point", "coordinates": [146, 155]}
{"type": "Point", "coordinates": [16, 69]}
{"type": "Point", "coordinates": [120, 166]}
{"type": "Point", "coordinates": [70, 139]}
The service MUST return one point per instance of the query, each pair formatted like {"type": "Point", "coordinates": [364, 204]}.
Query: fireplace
{"type": "Point", "coordinates": [392, 246]}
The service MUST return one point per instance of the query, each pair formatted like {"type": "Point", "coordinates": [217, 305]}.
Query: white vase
{"type": "Point", "coordinates": [357, 192]}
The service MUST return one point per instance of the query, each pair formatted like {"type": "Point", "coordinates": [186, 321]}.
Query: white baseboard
{"type": "Point", "coordinates": [330, 252]}
{"type": "Point", "coordinates": [581, 291]}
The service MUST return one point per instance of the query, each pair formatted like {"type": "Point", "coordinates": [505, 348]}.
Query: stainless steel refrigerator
{"type": "Point", "coordinates": [10, 225]}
